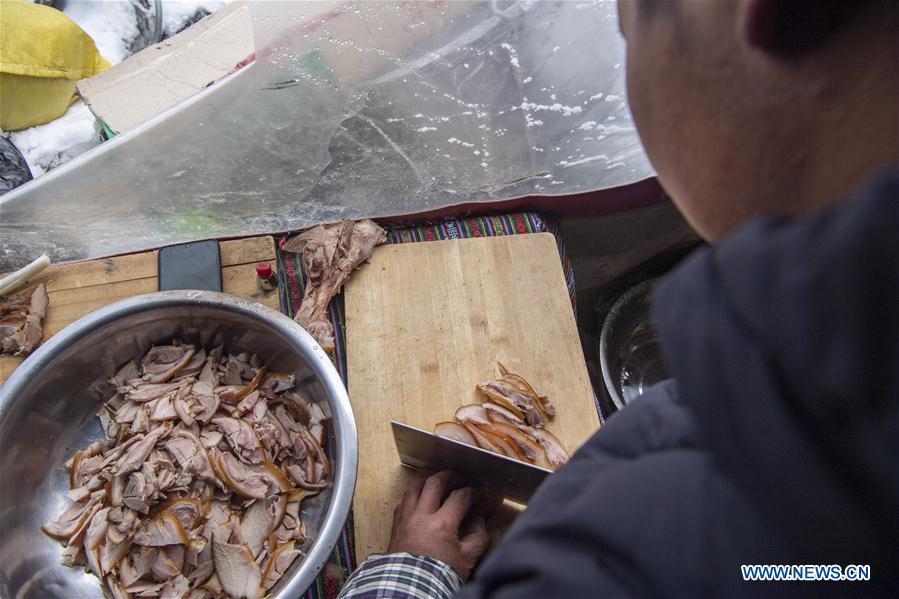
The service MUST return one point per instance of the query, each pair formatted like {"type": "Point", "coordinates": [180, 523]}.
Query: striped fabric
{"type": "Point", "coordinates": [402, 576]}
{"type": "Point", "coordinates": [291, 277]}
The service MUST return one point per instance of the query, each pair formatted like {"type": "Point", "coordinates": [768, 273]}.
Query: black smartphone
{"type": "Point", "coordinates": [196, 265]}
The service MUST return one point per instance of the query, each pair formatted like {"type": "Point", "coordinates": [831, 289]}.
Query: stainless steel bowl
{"type": "Point", "coordinates": [47, 410]}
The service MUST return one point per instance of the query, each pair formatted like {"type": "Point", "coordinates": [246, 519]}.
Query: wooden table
{"type": "Point", "coordinates": [79, 288]}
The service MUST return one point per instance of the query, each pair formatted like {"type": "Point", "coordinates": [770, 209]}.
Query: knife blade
{"type": "Point", "coordinates": [423, 450]}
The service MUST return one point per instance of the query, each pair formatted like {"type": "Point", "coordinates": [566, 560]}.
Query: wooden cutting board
{"type": "Point", "coordinates": [426, 322]}
{"type": "Point", "coordinates": [79, 288]}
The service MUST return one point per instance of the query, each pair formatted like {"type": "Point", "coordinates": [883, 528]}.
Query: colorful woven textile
{"type": "Point", "coordinates": [291, 276]}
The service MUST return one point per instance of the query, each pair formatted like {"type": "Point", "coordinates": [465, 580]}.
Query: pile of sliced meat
{"type": "Point", "coordinates": [196, 492]}
{"type": "Point", "coordinates": [510, 422]}
{"type": "Point", "coordinates": [330, 253]}
{"type": "Point", "coordinates": [21, 315]}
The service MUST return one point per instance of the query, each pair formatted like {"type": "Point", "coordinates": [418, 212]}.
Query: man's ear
{"type": "Point", "coordinates": [786, 28]}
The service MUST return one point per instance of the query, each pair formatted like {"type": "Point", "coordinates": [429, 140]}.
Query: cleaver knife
{"type": "Point", "coordinates": [422, 450]}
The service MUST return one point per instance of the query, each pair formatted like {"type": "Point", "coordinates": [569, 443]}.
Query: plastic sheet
{"type": "Point", "coordinates": [354, 109]}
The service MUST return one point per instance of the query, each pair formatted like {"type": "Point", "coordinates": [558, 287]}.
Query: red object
{"type": "Point", "coordinates": [264, 270]}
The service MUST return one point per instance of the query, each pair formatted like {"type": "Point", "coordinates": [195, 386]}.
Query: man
{"type": "Point", "coordinates": [778, 440]}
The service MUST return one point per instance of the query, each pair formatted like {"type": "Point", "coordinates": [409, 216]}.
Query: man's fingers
{"type": "Point", "coordinates": [433, 491]}
{"type": "Point", "coordinates": [489, 502]}
{"type": "Point", "coordinates": [457, 506]}
{"type": "Point", "coordinates": [476, 541]}
{"type": "Point", "coordinates": [410, 499]}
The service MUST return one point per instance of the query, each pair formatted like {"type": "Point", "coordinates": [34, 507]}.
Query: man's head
{"type": "Point", "coordinates": [748, 107]}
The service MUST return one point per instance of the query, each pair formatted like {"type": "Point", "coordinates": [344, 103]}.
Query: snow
{"type": "Point", "coordinates": [113, 25]}
{"type": "Point", "coordinates": [47, 146]}
{"type": "Point", "coordinates": [557, 107]}
{"type": "Point", "coordinates": [175, 13]}
{"type": "Point", "coordinates": [513, 56]}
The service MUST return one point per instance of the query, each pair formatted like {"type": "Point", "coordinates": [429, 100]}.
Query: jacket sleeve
{"type": "Point", "coordinates": [592, 529]}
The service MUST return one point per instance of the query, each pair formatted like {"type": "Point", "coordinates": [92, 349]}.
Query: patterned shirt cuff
{"type": "Point", "coordinates": [402, 576]}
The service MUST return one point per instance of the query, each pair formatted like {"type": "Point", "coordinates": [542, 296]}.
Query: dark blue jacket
{"type": "Point", "coordinates": [777, 444]}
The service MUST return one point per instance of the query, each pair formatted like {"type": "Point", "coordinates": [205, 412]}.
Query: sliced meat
{"type": "Point", "coordinates": [257, 523]}
{"type": "Point", "coordinates": [137, 453]}
{"type": "Point", "coordinates": [456, 432]}
{"type": "Point", "coordinates": [497, 397]}
{"type": "Point", "coordinates": [20, 327]}
{"type": "Point", "coordinates": [175, 588]}
{"type": "Point", "coordinates": [164, 529]}
{"type": "Point", "coordinates": [183, 406]}
{"type": "Point", "coordinates": [137, 493]}
{"type": "Point", "coordinates": [506, 446]}
{"type": "Point", "coordinates": [111, 553]}
{"type": "Point", "coordinates": [291, 527]}
{"type": "Point", "coordinates": [163, 409]}
{"type": "Point", "coordinates": [473, 413]}
{"type": "Point", "coordinates": [122, 523]}
{"type": "Point", "coordinates": [206, 399]}
{"type": "Point", "coordinates": [107, 421]}
{"type": "Point", "coordinates": [527, 445]}
{"type": "Point", "coordinates": [187, 461]}
{"type": "Point", "coordinates": [126, 372]}
{"type": "Point", "coordinates": [70, 520]}
{"type": "Point", "coordinates": [241, 437]}
{"type": "Point", "coordinates": [144, 588]}
{"type": "Point", "coordinates": [231, 373]}
{"type": "Point", "coordinates": [192, 368]}
{"type": "Point", "coordinates": [497, 413]}
{"type": "Point", "coordinates": [239, 477]}
{"type": "Point", "coordinates": [164, 567]}
{"type": "Point", "coordinates": [532, 410]}
{"type": "Point", "coordinates": [93, 537]}
{"type": "Point", "coordinates": [210, 438]}
{"type": "Point", "coordinates": [162, 363]}
{"type": "Point", "coordinates": [275, 383]}
{"type": "Point", "coordinates": [127, 413]}
{"type": "Point", "coordinates": [547, 405]}
{"type": "Point", "coordinates": [136, 564]}
{"type": "Point", "coordinates": [145, 392]}
{"type": "Point", "coordinates": [482, 440]}
{"type": "Point", "coordinates": [187, 510]}
{"type": "Point", "coordinates": [237, 572]}
{"type": "Point", "coordinates": [521, 385]}
{"type": "Point", "coordinates": [317, 421]}
{"type": "Point", "coordinates": [190, 454]}
{"type": "Point", "coordinates": [116, 589]}
{"type": "Point", "coordinates": [248, 402]}
{"type": "Point", "coordinates": [555, 452]}
{"type": "Point", "coordinates": [278, 563]}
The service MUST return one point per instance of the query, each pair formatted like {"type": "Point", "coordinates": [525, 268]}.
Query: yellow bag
{"type": "Point", "coordinates": [43, 54]}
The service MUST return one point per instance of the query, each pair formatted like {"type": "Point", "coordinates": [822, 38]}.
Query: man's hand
{"type": "Point", "coordinates": [432, 520]}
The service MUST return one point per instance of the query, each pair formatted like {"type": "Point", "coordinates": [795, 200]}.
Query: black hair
{"type": "Point", "coordinates": [796, 27]}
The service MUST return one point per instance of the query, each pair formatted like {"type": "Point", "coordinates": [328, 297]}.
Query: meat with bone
{"type": "Point", "coordinates": [197, 490]}
{"type": "Point", "coordinates": [21, 315]}
{"type": "Point", "coordinates": [330, 254]}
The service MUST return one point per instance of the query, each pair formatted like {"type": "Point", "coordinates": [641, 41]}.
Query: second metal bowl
{"type": "Point", "coordinates": [629, 352]}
